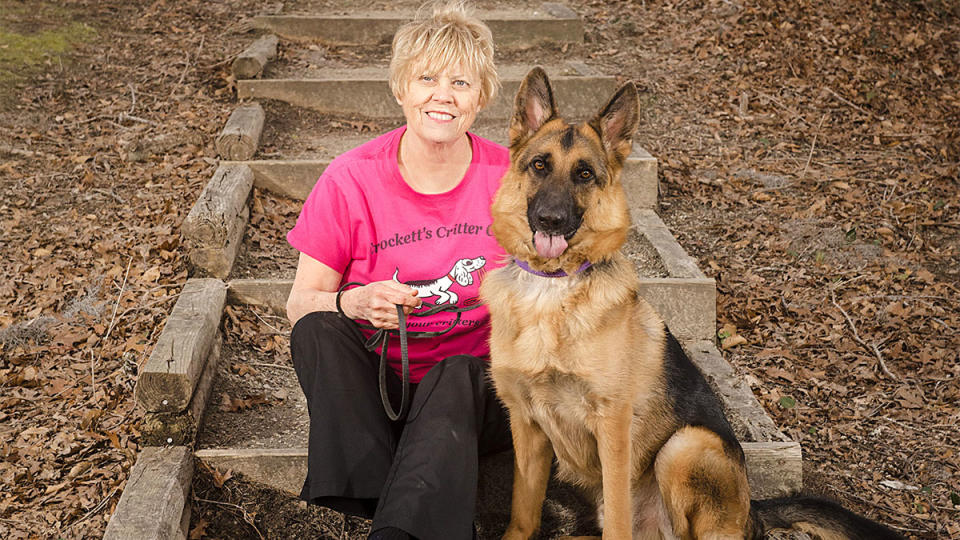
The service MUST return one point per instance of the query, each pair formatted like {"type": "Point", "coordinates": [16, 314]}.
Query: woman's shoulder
{"type": "Point", "coordinates": [491, 153]}
{"type": "Point", "coordinates": [373, 151]}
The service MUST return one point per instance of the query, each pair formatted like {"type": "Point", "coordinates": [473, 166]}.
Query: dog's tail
{"type": "Point", "coordinates": [817, 517]}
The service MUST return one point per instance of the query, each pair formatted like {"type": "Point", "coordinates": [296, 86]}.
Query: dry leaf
{"type": "Point", "coordinates": [732, 341]}
{"type": "Point", "coordinates": [151, 275]}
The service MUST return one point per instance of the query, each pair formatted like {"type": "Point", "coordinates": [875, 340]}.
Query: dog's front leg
{"type": "Point", "coordinates": [531, 471]}
{"type": "Point", "coordinates": [614, 447]}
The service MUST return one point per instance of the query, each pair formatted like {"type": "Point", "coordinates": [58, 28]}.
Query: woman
{"type": "Point", "coordinates": [409, 208]}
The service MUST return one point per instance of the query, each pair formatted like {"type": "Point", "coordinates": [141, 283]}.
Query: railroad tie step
{"type": "Point", "coordinates": [551, 23]}
{"type": "Point", "coordinates": [295, 178]}
{"type": "Point", "coordinates": [773, 467]}
{"type": "Point", "coordinates": [365, 91]}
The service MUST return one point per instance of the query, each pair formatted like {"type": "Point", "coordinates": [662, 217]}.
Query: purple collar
{"type": "Point", "coordinates": [558, 273]}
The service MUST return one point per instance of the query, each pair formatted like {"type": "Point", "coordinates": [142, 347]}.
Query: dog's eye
{"type": "Point", "coordinates": [584, 175]}
{"type": "Point", "coordinates": [539, 164]}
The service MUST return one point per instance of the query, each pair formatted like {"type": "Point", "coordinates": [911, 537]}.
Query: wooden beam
{"type": "Point", "coordinates": [774, 469]}
{"type": "Point", "coordinates": [687, 305]}
{"type": "Point", "coordinates": [180, 429]}
{"type": "Point", "coordinates": [253, 59]}
{"type": "Point", "coordinates": [220, 206]}
{"type": "Point", "coordinates": [365, 92]}
{"type": "Point", "coordinates": [675, 259]}
{"type": "Point", "coordinates": [514, 28]}
{"type": "Point", "coordinates": [241, 134]}
{"type": "Point", "coordinates": [744, 412]}
{"type": "Point", "coordinates": [280, 468]}
{"type": "Point", "coordinates": [173, 370]}
{"type": "Point", "coordinates": [269, 293]}
{"type": "Point", "coordinates": [154, 504]}
{"type": "Point", "coordinates": [213, 229]}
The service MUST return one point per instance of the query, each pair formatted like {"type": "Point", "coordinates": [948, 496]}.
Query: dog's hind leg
{"type": "Point", "coordinates": [703, 485]}
{"type": "Point", "coordinates": [531, 471]}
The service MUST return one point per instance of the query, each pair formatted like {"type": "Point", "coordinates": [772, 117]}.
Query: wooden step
{"type": "Point", "coordinates": [773, 468]}
{"type": "Point", "coordinates": [515, 29]}
{"type": "Point", "coordinates": [684, 297]}
{"type": "Point", "coordinates": [579, 91]}
{"type": "Point", "coordinates": [267, 443]}
{"type": "Point", "coordinates": [155, 504]}
{"type": "Point", "coordinates": [295, 177]}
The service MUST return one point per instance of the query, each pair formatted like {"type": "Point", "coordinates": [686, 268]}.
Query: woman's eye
{"type": "Point", "coordinates": [461, 83]}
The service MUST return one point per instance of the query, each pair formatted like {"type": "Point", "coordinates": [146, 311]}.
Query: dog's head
{"type": "Point", "coordinates": [561, 203]}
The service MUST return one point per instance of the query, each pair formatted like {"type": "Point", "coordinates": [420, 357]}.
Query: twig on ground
{"type": "Point", "coordinates": [856, 336]}
{"type": "Point", "coordinates": [272, 327]}
{"type": "Point", "coordinates": [264, 364]}
{"type": "Point", "coordinates": [93, 376]}
{"type": "Point", "coordinates": [812, 146]}
{"type": "Point", "coordinates": [209, 67]}
{"type": "Point", "coordinates": [243, 511]}
{"type": "Point", "coordinates": [150, 305]}
{"type": "Point", "coordinates": [133, 98]}
{"type": "Point", "coordinates": [113, 318]}
{"type": "Point", "coordinates": [109, 194]}
{"type": "Point", "coordinates": [779, 103]}
{"type": "Point", "coordinates": [124, 116]}
{"type": "Point", "coordinates": [6, 149]}
{"type": "Point", "coordinates": [852, 104]}
{"type": "Point", "coordinates": [100, 506]}
{"type": "Point", "coordinates": [189, 65]}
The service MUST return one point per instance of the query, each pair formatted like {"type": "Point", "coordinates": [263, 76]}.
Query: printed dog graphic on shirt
{"type": "Point", "coordinates": [461, 273]}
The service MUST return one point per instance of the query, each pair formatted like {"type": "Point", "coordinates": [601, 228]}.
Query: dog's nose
{"type": "Point", "coordinates": [549, 220]}
{"type": "Point", "coordinates": [553, 211]}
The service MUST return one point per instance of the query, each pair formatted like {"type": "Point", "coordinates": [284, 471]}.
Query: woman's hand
{"type": "Point", "coordinates": [377, 302]}
{"type": "Point", "coordinates": [315, 289]}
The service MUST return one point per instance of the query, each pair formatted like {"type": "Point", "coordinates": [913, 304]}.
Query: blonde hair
{"type": "Point", "coordinates": [449, 36]}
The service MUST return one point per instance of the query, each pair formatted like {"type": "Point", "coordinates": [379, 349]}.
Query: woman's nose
{"type": "Point", "coordinates": [443, 91]}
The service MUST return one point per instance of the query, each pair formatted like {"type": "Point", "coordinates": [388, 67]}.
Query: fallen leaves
{"type": "Point", "coordinates": [233, 404]}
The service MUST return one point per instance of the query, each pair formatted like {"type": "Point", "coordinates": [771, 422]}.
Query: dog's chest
{"type": "Point", "coordinates": [560, 399]}
{"type": "Point", "coordinates": [542, 312]}
{"type": "Point", "coordinates": [567, 410]}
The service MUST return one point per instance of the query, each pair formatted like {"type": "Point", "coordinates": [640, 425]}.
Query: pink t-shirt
{"type": "Point", "coordinates": [364, 221]}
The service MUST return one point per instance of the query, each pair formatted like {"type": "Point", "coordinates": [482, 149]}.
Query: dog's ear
{"type": "Point", "coordinates": [618, 120]}
{"type": "Point", "coordinates": [462, 275]}
{"type": "Point", "coordinates": [533, 107]}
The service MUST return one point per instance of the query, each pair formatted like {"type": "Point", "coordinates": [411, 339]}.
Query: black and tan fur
{"type": "Point", "coordinates": [588, 370]}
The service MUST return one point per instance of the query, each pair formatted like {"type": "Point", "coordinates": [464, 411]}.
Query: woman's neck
{"type": "Point", "coordinates": [432, 168]}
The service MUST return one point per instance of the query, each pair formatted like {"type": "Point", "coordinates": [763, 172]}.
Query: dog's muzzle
{"type": "Point", "coordinates": [554, 218]}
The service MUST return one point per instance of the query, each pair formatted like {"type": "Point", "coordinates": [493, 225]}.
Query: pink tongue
{"type": "Point", "coordinates": [549, 246]}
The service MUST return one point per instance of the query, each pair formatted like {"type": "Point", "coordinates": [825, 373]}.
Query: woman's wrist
{"type": "Point", "coordinates": [345, 303]}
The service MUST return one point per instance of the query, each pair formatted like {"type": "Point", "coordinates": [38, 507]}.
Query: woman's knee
{"type": "Point", "coordinates": [323, 341]}
{"type": "Point", "coordinates": [450, 383]}
{"type": "Point", "coordinates": [462, 364]}
{"type": "Point", "coordinates": [319, 323]}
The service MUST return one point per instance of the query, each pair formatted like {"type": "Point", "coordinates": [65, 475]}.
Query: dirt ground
{"type": "Point", "coordinates": [809, 161]}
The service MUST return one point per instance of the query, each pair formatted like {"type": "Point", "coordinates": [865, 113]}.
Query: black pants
{"type": "Point", "coordinates": [422, 470]}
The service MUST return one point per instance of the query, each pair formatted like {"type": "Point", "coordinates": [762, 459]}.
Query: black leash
{"type": "Point", "coordinates": [381, 337]}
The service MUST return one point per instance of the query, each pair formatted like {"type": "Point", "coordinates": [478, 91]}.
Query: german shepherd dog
{"type": "Point", "coordinates": [587, 369]}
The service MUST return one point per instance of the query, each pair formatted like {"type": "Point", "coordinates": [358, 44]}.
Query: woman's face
{"type": "Point", "coordinates": [441, 107]}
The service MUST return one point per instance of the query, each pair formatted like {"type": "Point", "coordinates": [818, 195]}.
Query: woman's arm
{"type": "Point", "coordinates": [315, 289]}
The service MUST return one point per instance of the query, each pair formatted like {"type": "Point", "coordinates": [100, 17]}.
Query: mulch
{"type": "Point", "coordinates": [809, 161]}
